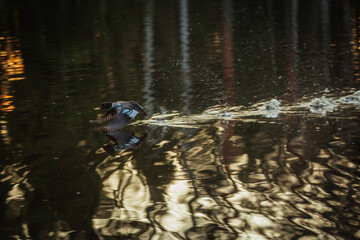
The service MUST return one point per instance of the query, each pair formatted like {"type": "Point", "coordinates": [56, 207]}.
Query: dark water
{"type": "Point", "coordinates": [217, 159]}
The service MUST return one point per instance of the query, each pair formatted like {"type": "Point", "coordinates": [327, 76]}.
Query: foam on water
{"type": "Point", "coordinates": [271, 109]}
{"type": "Point", "coordinates": [315, 106]}
{"type": "Point", "coordinates": [321, 105]}
{"type": "Point", "coordinates": [351, 99]}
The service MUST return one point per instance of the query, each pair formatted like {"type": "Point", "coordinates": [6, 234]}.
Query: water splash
{"type": "Point", "coordinates": [351, 99]}
{"type": "Point", "coordinates": [263, 111]}
{"type": "Point", "coordinates": [321, 105]}
{"type": "Point", "coordinates": [271, 109]}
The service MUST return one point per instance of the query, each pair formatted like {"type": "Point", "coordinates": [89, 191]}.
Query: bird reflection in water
{"type": "Point", "coordinates": [121, 113]}
{"type": "Point", "coordinates": [121, 140]}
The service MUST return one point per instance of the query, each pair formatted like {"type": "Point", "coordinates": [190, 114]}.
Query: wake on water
{"type": "Point", "coordinates": [328, 104]}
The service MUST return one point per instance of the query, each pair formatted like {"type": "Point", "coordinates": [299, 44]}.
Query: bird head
{"type": "Point", "coordinates": [106, 105]}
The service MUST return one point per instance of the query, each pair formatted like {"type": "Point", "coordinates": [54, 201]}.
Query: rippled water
{"type": "Point", "coordinates": [252, 129]}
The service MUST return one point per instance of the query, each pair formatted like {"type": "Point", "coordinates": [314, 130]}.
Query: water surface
{"type": "Point", "coordinates": [252, 129]}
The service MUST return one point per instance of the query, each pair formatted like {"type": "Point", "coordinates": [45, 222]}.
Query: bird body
{"type": "Point", "coordinates": [120, 109]}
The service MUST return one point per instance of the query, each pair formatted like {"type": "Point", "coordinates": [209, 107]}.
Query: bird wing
{"type": "Point", "coordinates": [137, 107]}
{"type": "Point", "coordinates": [120, 121]}
{"type": "Point", "coordinates": [130, 112]}
{"type": "Point", "coordinates": [110, 114]}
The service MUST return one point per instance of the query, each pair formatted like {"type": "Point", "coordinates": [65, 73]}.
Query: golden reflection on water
{"type": "Point", "coordinates": [124, 198]}
{"type": "Point", "coordinates": [229, 179]}
{"type": "Point", "coordinates": [355, 42]}
{"type": "Point", "coordinates": [11, 58]}
{"type": "Point", "coordinates": [12, 67]}
{"type": "Point", "coordinates": [6, 97]}
{"type": "Point", "coordinates": [4, 131]}
{"type": "Point", "coordinates": [289, 186]}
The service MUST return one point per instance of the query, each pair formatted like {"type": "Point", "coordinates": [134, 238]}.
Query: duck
{"type": "Point", "coordinates": [122, 110]}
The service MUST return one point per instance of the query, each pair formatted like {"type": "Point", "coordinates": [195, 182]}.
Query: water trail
{"type": "Point", "coordinates": [329, 105]}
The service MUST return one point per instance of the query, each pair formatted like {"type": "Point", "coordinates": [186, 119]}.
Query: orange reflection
{"type": "Point", "coordinates": [355, 42]}
{"type": "Point", "coordinates": [4, 132]}
{"type": "Point", "coordinates": [12, 69]}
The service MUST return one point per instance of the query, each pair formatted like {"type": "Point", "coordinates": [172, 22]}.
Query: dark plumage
{"type": "Point", "coordinates": [125, 111]}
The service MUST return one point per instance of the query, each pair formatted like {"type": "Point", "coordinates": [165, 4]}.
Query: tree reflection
{"type": "Point", "coordinates": [230, 174]}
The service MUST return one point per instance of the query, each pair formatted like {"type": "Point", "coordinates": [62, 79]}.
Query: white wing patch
{"type": "Point", "coordinates": [130, 112]}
